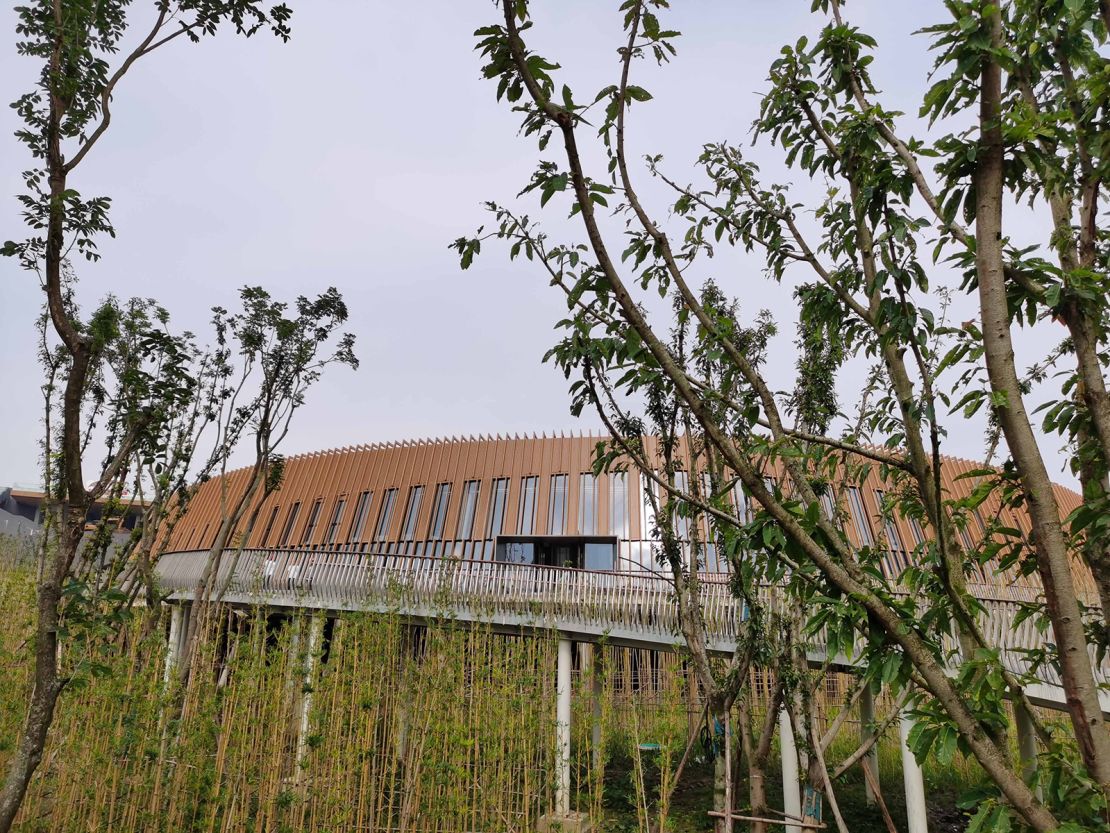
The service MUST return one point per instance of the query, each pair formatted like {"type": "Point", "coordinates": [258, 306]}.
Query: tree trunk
{"type": "Point", "coordinates": [1080, 690]}
{"type": "Point", "coordinates": [47, 686]}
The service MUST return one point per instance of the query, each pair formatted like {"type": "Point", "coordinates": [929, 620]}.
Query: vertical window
{"type": "Point", "coordinates": [916, 531]}
{"type": "Point", "coordinates": [893, 539]}
{"type": "Point", "coordinates": [618, 504]}
{"type": "Point", "coordinates": [289, 522]}
{"type": "Point", "coordinates": [385, 514]}
{"type": "Point", "coordinates": [681, 522]}
{"type": "Point", "coordinates": [740, 502]}
{"type": "Point", "coordinates": [336, 519]}
{"type": "Point", "coordinates": [358, 522]}
{"type": "Point", "coordinates": [859, 517]}
{"type": "Point", "coordinates": [269, 527]}
{"type": "Point", "coordinates": [557, 508]}
{"type": "Point", "coordinates": [828, 504]}
{"type": "Point", "coordinates": [313, 517]}
{"type": "Point", "coordinates": [408, 527]}
{"type": "Point", "coordinates": [526, 522]}
{"type": "Point", "coordinates": [647, 529]}
{"type": "Point", "coordinates": [587, 503]}
{"type": "Point", "coordinates": [439, 511]}
{"type": "Point", "coordinates": [498, 497]}
{"type": "Point", "coordinates": [468, 507]}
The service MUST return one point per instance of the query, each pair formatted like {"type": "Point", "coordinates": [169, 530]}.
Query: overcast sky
{"type": "Point", "coordinates": [352, 155]}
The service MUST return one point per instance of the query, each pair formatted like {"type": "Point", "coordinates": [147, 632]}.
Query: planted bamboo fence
{"type": "Point", "coordinates": [365, 724]}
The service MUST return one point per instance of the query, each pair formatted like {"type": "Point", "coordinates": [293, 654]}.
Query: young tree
{"type": "Point", "coordinates": [1035, 72]}
{"type": "Point", "coordinates": [66, 115]}
{"type": "Point", "coordinates": [280, 357]}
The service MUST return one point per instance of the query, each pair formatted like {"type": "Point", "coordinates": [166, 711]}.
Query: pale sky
{"type": "Point", "coordinates": [352, 155]}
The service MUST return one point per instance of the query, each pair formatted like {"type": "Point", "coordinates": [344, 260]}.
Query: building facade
{"type": "Point", "coordinates": [524, 499]}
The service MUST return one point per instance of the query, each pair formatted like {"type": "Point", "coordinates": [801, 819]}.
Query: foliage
{"type": "Point", "coordinates": [869, 263]}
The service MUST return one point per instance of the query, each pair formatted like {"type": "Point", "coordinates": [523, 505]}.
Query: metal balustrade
{"type": "Point", "coordinates": [627, 608]}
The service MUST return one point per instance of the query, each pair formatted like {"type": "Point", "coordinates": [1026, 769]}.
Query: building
{"type": "Point", "coordinates": [521, 499]}
{"type": "Point", "coordinates": [22, 510]}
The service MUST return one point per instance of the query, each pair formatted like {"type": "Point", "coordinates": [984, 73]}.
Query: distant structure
{"type": "Point", "coordinates": [21, 512]}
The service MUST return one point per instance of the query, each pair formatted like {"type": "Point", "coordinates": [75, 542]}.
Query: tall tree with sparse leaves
{"type": "Point", "coordinates": [77, 46]}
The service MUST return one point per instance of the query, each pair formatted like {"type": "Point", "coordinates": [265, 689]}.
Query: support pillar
{"type": "Point", "coordinates": [562, 730]}
{"type": "Point", "coordinates": [175, 644]}
{"type": "Point", "coordinates": [561, 819]}
{"type": "Point", "coordinates": [315, 634]}
{"type": "Point", "coordinates": [870, 761]}
{"type": "Point", "coordinates": [917, 819]}
{"type": "Point", "coordinates": [791, 790]}
{"type": "Point", "coordinates": [1027, 745]}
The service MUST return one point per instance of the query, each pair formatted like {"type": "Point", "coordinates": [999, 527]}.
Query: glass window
{"type": "Point", "coordinates": [681, 522]}
{"type": "Point", "coordinates": [289, 522]}
{"type": "Point", "coordinates": [828, 504]}
{"type": "Point", "coordinates": [647, 487]}
{"type": "Point", "coordinates": [467, 509]}
{"type": "Point", "coordinates": [618, 504]}
{"type": "Point", "coordinates": [498, 497]}
{"type": "Point", "coordinates": [916, 531]}
{"type": "Point", "coordinates": [587, 503]}
{"type": "Point", "coordinates": [336, 518]}
{"type": "Point", "coordinates": [313, 518]}
{"type": "Point", "coordinates": [557, 508]}
{"type": "Point", "coordinates": [439, 511]}
{"type": "Point", "coordinates": [385, 514]}
{"type": "Point", "coordinates": [526, 522]}
{"type": "Point", "coordinates": [269, 527]}
{"type": "Point", "coordinates": [893, 539]}
{"type": "Point", "coordinates": [412, 510]}
{"type": "Point", "coordinates": [740, 502]}
{"type": "Point", "coordinates": [600, 556]}
{"type": "Point", "coordinates": [859, 517]}
{"type": "Point", "coordinates": [362, 510]}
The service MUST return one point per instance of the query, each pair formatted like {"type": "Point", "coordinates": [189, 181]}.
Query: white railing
{"type": "Point", "coordinates": [640, 606]}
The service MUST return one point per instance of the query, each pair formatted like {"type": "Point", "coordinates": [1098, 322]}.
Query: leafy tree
{"type": "Point", "coordinates": [899, 215]}
{"type": "Point", "coordinates": [280, 356]}
{"type": "Point", "coordinates": [65, 116]}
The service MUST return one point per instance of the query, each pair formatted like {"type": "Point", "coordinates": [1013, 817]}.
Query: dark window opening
{"type": "Point", "coordinates": [578, 551]}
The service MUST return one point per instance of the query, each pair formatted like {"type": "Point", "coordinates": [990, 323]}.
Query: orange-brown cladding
{"type": "Point", "coordinates": [392, 497]}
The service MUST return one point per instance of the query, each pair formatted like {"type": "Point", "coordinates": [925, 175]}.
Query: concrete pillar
{"type": "Point", "coordinates": [562, 730]}
{"type": "Point", "coordinates": [561, 819]}
{"type": "Point", "coordinates": [173, 643]}
{"type": "Point", "coordinates": [866, 732]}
{"type": "Point", "coordinates": [791, 791]}
{"type": "Point", "coordinates": [916, 812]}
{"type": "Point", "coordinates": [315, 634]}
{"type": "Point", "coordinates": [1027, 744]}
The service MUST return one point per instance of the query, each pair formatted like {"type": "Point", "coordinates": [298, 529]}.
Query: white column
{"type": "Point", "coordinates": [916, 812]}
{"type": "Point", "coordinates": [562, 730]}
{"type": "Point", "coordinates": [791, 791]}
{"type": "Point", "coordinates": [173, 643]}
{"type": "Point", "coordinates": [315, 634]}
{"type": "Point", "coordinates": [1027, 744]}
{"type": "Point", "coordinates": [866, 732]}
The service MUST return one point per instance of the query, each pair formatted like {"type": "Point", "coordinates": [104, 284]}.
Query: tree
{"type": "Point", "coordinates": [66, 115]}
{"type": "Point", "coordinates": [865, 287]}
{"type": "Point", "coordinates": [280, 358]}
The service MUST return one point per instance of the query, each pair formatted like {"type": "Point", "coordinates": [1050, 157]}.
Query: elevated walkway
{"type": "Point", "coordinates": [628, 609]}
